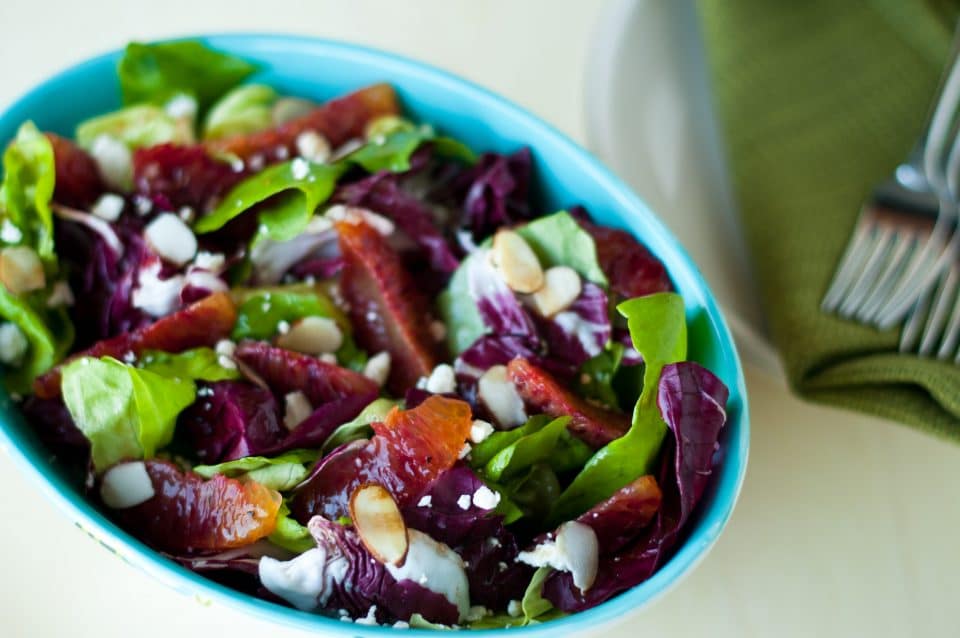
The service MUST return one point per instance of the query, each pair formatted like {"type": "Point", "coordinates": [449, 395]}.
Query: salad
{"type": "Point", "coordinates": [336, 359]}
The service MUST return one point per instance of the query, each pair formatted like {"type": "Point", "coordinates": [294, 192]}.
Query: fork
{"type": "Point", "coordinates": [904, 238]}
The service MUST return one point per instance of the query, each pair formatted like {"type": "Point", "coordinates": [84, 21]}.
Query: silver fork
{"type": "Point", "coordinates": [903, 237]}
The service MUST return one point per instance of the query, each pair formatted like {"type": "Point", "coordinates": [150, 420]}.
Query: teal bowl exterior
{"type": "Point", "coordinates": [565, 175]}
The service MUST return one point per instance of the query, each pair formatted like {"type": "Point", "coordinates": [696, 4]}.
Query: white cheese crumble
{"type": "Point", "coordinates": [114, 160]}
{"type": "Point", "coordinates": [464, 501]}
{"type": "Point", "coordinates": [171, 238]}
{"type": "Point", "coordinates": [479, 431]}
{"type": "Point", "coordinates": [425, 501]}
{"type": "Point", "coordinates": [485, 498]}
{"type": "Point", "coordinates": [378, 368]}
{"type": "Point", "coordinates": [157, 297]}
{"type": "Point", "coordinates": [313, 146]}
{"type": "Point", "coordinates": [296, 409]}
{"type": "Point", "coordinates": [9, 233]}
{"type": "Point", "coordinates": [499, 395]}
{"type": "Point", "coordinates": [441, 380]}
{"type": "Point", "coordinates": [299, 168]}
{"type": "Point", "coordinates": [441, 567]}
{"type": "Point", "coordinates": [515, 608]}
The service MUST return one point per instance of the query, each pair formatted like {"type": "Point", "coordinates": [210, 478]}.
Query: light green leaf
{"type": "Point", "coordinates": [280, 472]}
{"type": "Point", "coordinates": [558, 240]}
{"type": "Point", "coordinates": [295, 189]}
{"type": "Point", "coordinates": [595, 379]}
{"type": "Point", "coordinates": [156, 72]}
{"type": "Point", "coordinates": [29, 174]}
{"type": "Point", "coordinates": [482, 452]}
{"type": "Point", "coordinates": [137, 126]}
{"type": "Point", "coordinates": [199, 364]}
{"type": "Point", "coordinates": [358, 428]}
{"type": "Point", "coordinates": [658, 329]}
{"type": "Point", "coordinates": [289, 534]}
{"type": "Point", "coordinates": [532, 448]}
{"type": "Point", "coordinates": [124, 412]}
{"type": "Point", "coordinates": [534, 604]}
{"type": "Point", "coordinates": [391, 150]}
{"type": "Point", "coordinates": [245, 109]}
{"type": "Point", "coordinates": [49, 335]}
{"type": "Point", "coordinates": [458, 310]}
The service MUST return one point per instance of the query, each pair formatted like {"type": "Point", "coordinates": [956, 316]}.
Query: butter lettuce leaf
{"type": "Point", "coordinates": [290, 534]}
{"type": "Point", "coordinates": [125, 412]}
{"type": "Point", "coordinates": [658, 329]}
{"type": "Point", "coordinates": [245, 109]}
{"type": "Point", "coordinates": [198, 364]}
{"type": "Point", "coordinates": [279, 472]}
{"type": "Point", "coordinates": [137, 126]}
{"type": "Point", "coordinates": [49, 334]}
{"type": "Point", "coordinates": [156, 72]}
{"type": "Point", "coordinates": [29, 176]}
{"type": "Point", "coordinates": [359, 427]}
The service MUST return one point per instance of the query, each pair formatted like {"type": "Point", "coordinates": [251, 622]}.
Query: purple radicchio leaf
{"type": "Point", "coordinates": [582, 330]}
{"type": "Point", "coordinates": [691, 401]}
{"type": "Point", "coordinates": [344, 575]}
{"type": "Point", "coordinates": [231, 420]}
{"type": "Point", "coordinates": [475, 533]}
{"type": "Point", "coordinates": [495, 191]}
{"type": "Point", "coordinates": [383, 193]}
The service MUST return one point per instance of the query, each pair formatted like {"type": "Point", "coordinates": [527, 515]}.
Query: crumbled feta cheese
{"type": "Point", "coordinates": [575, 550]}
{"type": "Point", "coordinates": [442, 566]}
{"type": "Point", "coordinates": [9, 233]}
{"type": "Point", "coordinates": [297, 409]}
{"type": "Point", "coordinates": [143, 205]}
{"type": "Point", "coordinates": [283, 327]}
{"type": "Point", "coordinates": [478, 612]}
{"type": "Point", "coordinates": [369, 619]}
{"type": "Point", "coordinates": [485, 498]}
{"type": "Point", "coordinates": [13, 344]}
{"type": "Point", "coordinates": [479, 431]}
{"type": "Point", "coordinates": [355, 214]}
{"type": "Point", "coordinates": [378, 368]}
{"type": "Point", "coordinates": [126, 485]}
{"type": "Point", "coordinates": [499, 395]}
{"type": "Point", "coordinates": [181, 106]}
{"type": "Point", "coordinates": [313, 146]}
{"type": "Point", "coordinates": [172, 239]}
{"type": "Point", "coordinates": [425, 501]}
{"type": "Point", "coordinates": [108, 207]}
{"type": "Point", "coordinates": [187, 214]}
{"type": "Point", "coordinates": [60, 295]}
{"type": "Point", "coordinates": [328, 357]}
{"type": "Point", "coordinates": [464, 501]}
{"type": "Point", "coordinates": [157, 297]}
{"type": "Point", "coordinates": [211, 262]}
{"type": "Point", "coordinates": [515, 608]}
{"type": "Point", "coordinates": [441, 380]}
{"type": "Point", "coordinates": [299, 168]}
{"type": "Point", "coordinates": [225, 347]}
{"type": "Point", "coordinates": [465, 451]}
{"type": "Point", "coordinates": [114, 160]}
{"type": "Point", "coordinates": [307, 581]}
{"type": "Point", "coordinates": [401, 624]}
{"type": "Point", "coordinates": [312, 335]}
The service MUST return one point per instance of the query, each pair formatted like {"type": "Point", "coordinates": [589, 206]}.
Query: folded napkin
{"type": "Point", "coordinates": [819, 101]}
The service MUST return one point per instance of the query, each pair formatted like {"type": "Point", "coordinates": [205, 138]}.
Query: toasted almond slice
{"type": "Point", "coordinates": [21, 269]}
{"type": "Point", "coordinates": [379, 524]}
{"type": "Point", "coordinates": [516, 262]}
{"type": "Point", "coordinates": [312, 335]}
{"type": "Point", "coordinates": [561, 287]}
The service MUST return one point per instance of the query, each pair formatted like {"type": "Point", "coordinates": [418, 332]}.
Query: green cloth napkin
{"type": "Point", "coordinates": [819, 101]}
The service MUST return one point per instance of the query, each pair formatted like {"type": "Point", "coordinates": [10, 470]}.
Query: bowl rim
{"type": "Point", "coordinates": [687, 556]}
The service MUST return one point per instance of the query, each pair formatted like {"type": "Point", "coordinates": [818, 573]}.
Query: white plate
{"type": "Point", "coordinates": [650, 117]}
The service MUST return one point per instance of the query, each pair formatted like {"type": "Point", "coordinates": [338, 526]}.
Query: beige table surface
{"type": "Point", "coordinates": [847, 526]}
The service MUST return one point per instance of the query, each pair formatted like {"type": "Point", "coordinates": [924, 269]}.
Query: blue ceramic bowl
{"type": "Point", "coordinates": [565, 175]}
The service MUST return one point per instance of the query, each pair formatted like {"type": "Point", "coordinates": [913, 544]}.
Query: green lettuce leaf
{"type": "Point", "coordinates": [534, 447]}
{"type": "Point", "coordinates": [658, 329]}
{"type": "Point", "coordinates": [290, 534]}
{"type": "Point", "coordinates": [534, 605]}
{"type": "Point", "coordinates": [281, 473]}
{"type": "Point", "coordinates": [137, 126]}
{"type": "Point", "coordinates": [199, 364]}
{"type": "Point", "coordinates": [261, 311]}
{"type": "Point", "coordinates": [596, 378]}
{"type": "Point", "coordinates": [245, 109]}
{"type": "Point", "coordinates": [124, 412]}
{"type": "Point", "coordinates": [358, 428]}
{"type": "Point", "coordinates": [390, 148]}
{"type": "Point", "coordinates": [29, 175]}
{"type": "Point", "coordinates": [556, 239]}
{"type": "Point", "coordinates": [156, 72]}
{"type": "Point", "coordinates": [294, 188]}
{"type": "Point", "coordinates": [49, 334]}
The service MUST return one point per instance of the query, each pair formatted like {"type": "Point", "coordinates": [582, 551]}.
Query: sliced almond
{"type": "Point", "coordinates": [561, 287]}
{"type": "Point", "coordinates": [21, 269]}
{"type": "Point", "coordinates": [379, 524]}
{"type": "Point", "coordinates": [312, 335]}
{"type": "Point", "coordinates": [516, 261]}
{"type": "Point", "coordinates": [500, 396]}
